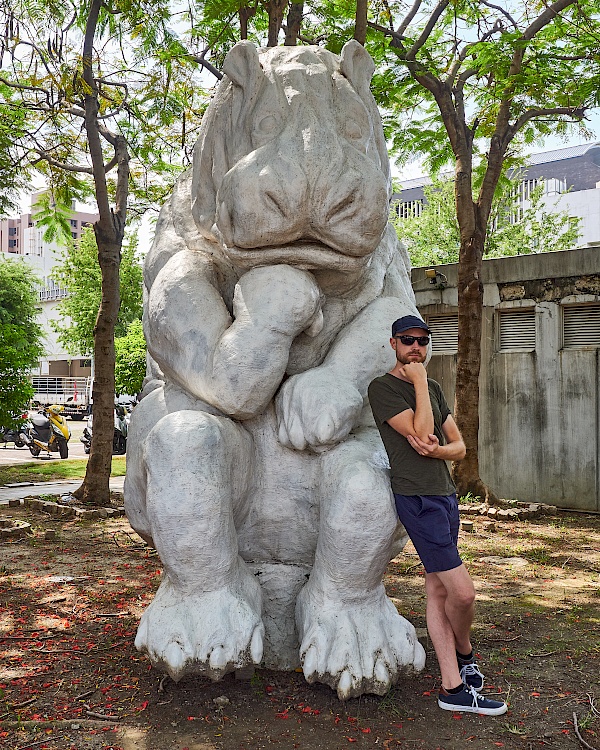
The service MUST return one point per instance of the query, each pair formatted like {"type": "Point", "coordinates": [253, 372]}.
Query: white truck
{"type": "Point", "coordinates": [75, 394]}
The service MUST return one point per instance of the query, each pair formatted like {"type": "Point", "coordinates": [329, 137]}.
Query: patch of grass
{"type": "Point", "coordinates": [469, 498]}
{"type": "Point", "coordinates": [539, 555]}
{"type": "Point", "coordinates": [391, 703]}
{"type": "Point", "coordinates": [56, 470]}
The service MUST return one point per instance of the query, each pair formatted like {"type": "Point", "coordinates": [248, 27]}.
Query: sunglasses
{"type": "Point", "coordinates": [410, 340]}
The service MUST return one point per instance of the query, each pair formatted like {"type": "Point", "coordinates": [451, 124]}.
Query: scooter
{"type": "Point", "coordinates": [47, 431]}
{"type": "Point", "coordinates": [12, 434]}
{"type": "Point", "coordinates": [121, 417]}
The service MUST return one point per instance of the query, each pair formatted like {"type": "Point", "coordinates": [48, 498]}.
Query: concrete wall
{"type": "Point", "coordinates": [539, 406]}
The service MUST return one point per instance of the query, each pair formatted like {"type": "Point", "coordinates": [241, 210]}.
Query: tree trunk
{"type": "Point", "coordinates": [294, 21]}
{"type": "Point", "coordinates": [468, 365]}
{"type": "Point", "coordinates": [246, 14]}
{"type": "Point", "coordinates": [360, 25]}
{"type": "Point", "coordinates": [109, 230]}
{"type": "Point", "coordinates": [276, 9]}
{"type": "Point", "coordinates": [95, 488]}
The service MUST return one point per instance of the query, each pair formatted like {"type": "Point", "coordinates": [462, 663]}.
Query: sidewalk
{"type": "Point", "coordinates": [21, 490]}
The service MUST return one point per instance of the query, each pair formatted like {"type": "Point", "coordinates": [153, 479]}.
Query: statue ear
{"type": "Point", "coordinates": [242, 65]}
{"type": "Point", "coordinates": [357, 66]}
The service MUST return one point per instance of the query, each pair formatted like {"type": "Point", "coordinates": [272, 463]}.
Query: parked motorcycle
{"type": "Point", "coordinates": [47, 431]}
{"type": "Point", "coordinates": [121, 417]}
{"type": "Point", "coordinates": [12, 434]}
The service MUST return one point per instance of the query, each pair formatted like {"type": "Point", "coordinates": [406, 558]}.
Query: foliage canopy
{"type": "Point", "coordinates": [79, 273]}
{"type": "Point", "coordinates": [130, 364]}
{"type": "Point", "coordinates": [20, 337]}
{"type": "Point", "coordinates": [433, 236]}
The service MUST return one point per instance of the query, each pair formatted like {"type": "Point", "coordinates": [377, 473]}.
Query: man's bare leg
{"type": "Point", "coordinates": [450, 607]}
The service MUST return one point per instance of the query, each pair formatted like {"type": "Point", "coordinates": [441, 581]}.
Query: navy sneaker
{"type": "Point", "coordinates": [471, 675]}
{"type": "Point", "coordinates": [469, 701]}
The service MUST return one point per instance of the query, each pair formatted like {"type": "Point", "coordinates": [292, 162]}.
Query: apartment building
{"type": "Point", "coordinates": [22, 241]}
{"type": "Point", "coordinates": [571, 179]}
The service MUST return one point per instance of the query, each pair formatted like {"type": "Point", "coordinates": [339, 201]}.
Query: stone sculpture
{"type": "Point", "coordinates": [254, 466]}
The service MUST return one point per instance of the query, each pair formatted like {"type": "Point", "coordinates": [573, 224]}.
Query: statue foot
{"type": "Point", "coordinates": [208, 633]}
{"type": "Point", "coordinates": [355, 648]}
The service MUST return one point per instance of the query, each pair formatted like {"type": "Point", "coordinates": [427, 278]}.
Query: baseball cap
{"type": "Point", "coordinates": [408, 321]}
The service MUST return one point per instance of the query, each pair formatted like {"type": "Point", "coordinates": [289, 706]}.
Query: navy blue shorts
{"type": "Point", "coordinates": [432, 523]}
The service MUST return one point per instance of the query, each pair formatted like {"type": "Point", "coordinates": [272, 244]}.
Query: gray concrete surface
{"type": "Point", "coordinates": [9, 455]}
{"type": "Point", "coordinates": [49, 488]}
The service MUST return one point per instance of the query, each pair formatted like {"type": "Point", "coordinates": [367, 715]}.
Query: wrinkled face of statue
{"type": "Point", "coordinates": [305, 179]}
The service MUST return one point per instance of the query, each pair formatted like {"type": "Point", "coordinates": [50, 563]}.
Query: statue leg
{"type": "Point", "coordinates": [206, 615]}
{"type": "Point", "coordinates": [352, 637]}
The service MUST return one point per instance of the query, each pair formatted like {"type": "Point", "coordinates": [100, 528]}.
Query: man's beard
{"type": "Point", "coordinates": [405, 359]}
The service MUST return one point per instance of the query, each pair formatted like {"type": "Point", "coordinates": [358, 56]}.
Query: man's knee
{"type": "Point", "coordinates": [463, 596]}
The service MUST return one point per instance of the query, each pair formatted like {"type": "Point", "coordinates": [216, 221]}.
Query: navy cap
{"type": "Point", "coordinates": [408, 321]}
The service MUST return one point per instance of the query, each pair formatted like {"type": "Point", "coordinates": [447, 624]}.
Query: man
{"type": "Point", "coordinates": [420, 435]}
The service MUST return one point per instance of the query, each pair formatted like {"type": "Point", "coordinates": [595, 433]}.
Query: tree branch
{"type": "Point", "coordinates": [59, 164]}
{"type": "Point", "coordinates": [546, 17]}
{"type": "Point", "coordinates": [429, 27]}
{"type": "Point", "coordinates": [504, 12]}
{"type": "Point", "coordinates": [205, 64]}
{"type": "Point", "coordinates": [408, 18]}
{"type": "Point", "coordinates": [577, 113]}
{"type": "Point", "coordinates": [23, 87]}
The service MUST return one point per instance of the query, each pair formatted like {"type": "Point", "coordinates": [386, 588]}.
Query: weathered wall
{"type": "Point", "coordinates": [539, 409]}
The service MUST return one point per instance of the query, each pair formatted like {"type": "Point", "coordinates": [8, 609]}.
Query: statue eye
{"type": "Point", "coordinates": [268, 125]}
{"type": "Point", "coordinates": [353, 130]}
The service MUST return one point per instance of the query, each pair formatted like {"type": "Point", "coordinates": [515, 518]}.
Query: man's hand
{"type": "Point", "coordinates": [454, 450]}
{"type": "Point", "coordinates": [430, 449]}
{"type": "Point", "coordinates": [414, 372]}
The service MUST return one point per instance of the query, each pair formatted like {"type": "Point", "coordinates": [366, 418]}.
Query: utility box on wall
{"type": "Point", "coordinates": [539, 438]}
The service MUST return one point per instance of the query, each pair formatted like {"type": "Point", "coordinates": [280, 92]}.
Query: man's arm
{"type": "Point", "coordinates": [454, 450]}
{"type": "Point", "coordinates": [418, 423]}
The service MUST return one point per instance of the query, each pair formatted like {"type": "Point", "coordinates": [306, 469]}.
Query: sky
{"type": "Point", "coordinates": [415, 169]}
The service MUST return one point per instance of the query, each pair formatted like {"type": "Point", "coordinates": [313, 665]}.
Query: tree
{"type": "Point", "coordinates": [12, 171]}
{"type": "Point", "coordinates": [20, 337]}
{"type": "Point", "coordinates": [467, 82]}
{"type": "Point", "coordinates": [433, 237]}
{"type": "Point", "coordinates": [106, 88]}
{"type": "Point", "coordinates": [470, 82]}
{"type": "Point", "coordinates": [130, 367]}
{"type": "Point", "coordinates": [79, 273]}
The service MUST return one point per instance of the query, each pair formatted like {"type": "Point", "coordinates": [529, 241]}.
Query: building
{"type": "Point", "coordinates": [539, 407]}
{"type": "Point", "coordinates": [22, 241]}
{"type": "Point", "coordinates": [571, 178]}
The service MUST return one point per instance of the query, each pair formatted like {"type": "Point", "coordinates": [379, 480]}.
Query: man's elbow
{"type": "Point", "coordinates": [461, 451]}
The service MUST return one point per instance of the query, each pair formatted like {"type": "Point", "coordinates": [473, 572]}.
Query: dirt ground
{"type": "Point", "coordinates": [71, 679]}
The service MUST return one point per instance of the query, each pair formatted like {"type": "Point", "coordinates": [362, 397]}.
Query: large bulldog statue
{"type": "Point", "coordinates": [254, 466]}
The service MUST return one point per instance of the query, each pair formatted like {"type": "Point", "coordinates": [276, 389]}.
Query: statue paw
{"type": "Point", "coordinates": [207, 633]}
{"type": "Point", "coordinates": [355, 648]}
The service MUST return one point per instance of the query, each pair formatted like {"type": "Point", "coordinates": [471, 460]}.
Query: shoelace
{"type": "Point", "coordinates": [470, 669]}
{"type": "Point", "coordinates": [475, 695]}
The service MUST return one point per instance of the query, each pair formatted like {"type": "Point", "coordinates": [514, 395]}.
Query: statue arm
{"type": "Point", "coordinates": [361, 350]}
{"type": "Point", "coordinates": [319, 407]}
{"type": "Point", "coordinates": [236, 364]}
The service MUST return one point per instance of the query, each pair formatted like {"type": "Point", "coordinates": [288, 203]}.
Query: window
{"type": "Point", "coordinates": [581, 326]}
{"type": "Point", "coordinates": [13, 243]}
{"type": "Point", "coordinates": [409, 209]}
{"type": "Point", "coordinates": [74, 222]}
{"type": "Point", "coordinates": [12, 231]}
{"type": "Point", "coordinates": [444, 333]}
{"type": "Point", "coordinates": [74, 235]}
{"type": "Point", "coordinates": [516, 330]}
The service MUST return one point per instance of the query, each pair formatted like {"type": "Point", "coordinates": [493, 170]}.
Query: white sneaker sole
{"type": "Point", "coordinates": [474, 709]}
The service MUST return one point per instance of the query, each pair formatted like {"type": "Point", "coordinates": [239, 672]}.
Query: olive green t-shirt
{"type": "Point", "coordinates": [412, 474]}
